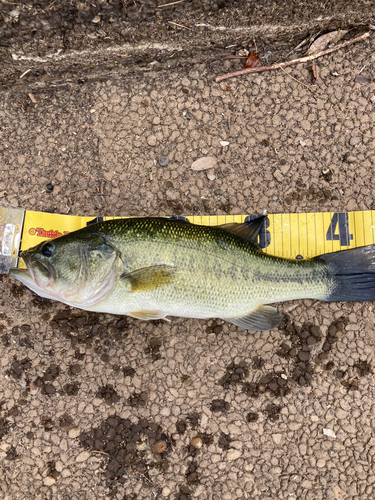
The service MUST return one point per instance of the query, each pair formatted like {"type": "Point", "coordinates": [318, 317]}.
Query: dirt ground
{"type": "Point", "coordinates": [110, 103]}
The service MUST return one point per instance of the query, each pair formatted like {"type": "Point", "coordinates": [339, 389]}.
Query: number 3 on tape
{"type": "Point", "coordinates": [340, 222]}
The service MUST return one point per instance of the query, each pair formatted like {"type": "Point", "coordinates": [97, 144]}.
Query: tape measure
{"type": "Point", "coordinates": [293, 236]}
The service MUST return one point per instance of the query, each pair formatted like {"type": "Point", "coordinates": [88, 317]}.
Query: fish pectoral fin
{"type": "Point", "coordinates": [149, 278]}
{"type": "Point", "coordinates": [148, 315]}
{"type": "Point", "coordinates": [263, 318]}
{"type": "Point", "coordinates": [247, 230]}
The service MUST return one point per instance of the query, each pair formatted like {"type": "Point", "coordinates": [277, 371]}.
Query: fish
{"type": "Point", "coordinates": [152, 268]}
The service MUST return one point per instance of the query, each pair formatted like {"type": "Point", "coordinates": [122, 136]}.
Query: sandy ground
{"type": "Point", "coordinates": [101, 407]}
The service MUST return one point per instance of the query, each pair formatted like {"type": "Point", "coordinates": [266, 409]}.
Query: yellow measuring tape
{"type": "Point", "coordinates": [286, 235]}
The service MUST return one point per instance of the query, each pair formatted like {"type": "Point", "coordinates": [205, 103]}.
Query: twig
{"type": "Point", "coordinates": [260, 69]}
{"type": "Point", "coordinates": [298, 46]}
{"type": "Point", "coordinates": [180, 25]}
{"type": "Point", "coordinates": [172, 3]}
{"type": "Point", "coordinates": [25, 73]}
{"type": "Point", "coordinates": [32, 98]}
{"type": "Point", "coordinates": [298, 81]}
{"type": "Point", "coordinates": [234, 57]}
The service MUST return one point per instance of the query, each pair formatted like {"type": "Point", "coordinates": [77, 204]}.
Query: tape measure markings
{"type": "Point", "coordinates": [285, 235]}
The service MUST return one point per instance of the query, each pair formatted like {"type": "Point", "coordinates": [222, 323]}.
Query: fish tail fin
{"type": "Point", "coordinates": [352, 273]}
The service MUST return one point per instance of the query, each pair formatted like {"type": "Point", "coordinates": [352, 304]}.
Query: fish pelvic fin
{"type": "Point", "coordinates": [149, 278]}
{"type": "Point", "coordinates": [148, 315]}
{"type": "Point", "coordinates": [263, 318]}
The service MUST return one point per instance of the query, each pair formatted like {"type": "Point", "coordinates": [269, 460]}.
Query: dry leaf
{"type": "Point", "coordinates": [204, 163]}
{"type": "Point", "coordinates": [252, 60]}
{"type": "Point", "coordinates": [315, 70]}
{"type": "Point", "coordinates": [324, 40]}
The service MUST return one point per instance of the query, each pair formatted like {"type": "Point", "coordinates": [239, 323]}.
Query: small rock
{"type": "Point", "coordinates": [204, 163]}
{"type": "Point", "coordinates": [14, 15]}
{"type": "Point", "coordinates": [224, 143]}
{"type": "Point", "coordinates": [96, 19]}
{"type": "Point", "coordinates": [83, 456]}
{"type": "Point", "coordinates": [211, 177]}
{"type": "Point", "coordinates": [354, 141]}
{"type": "Point", "coordinates": [159, 447]}
{"type": "Point", "coordinates": [194, 75]}
{"type": "Point", "coordinates": [277, 438]}
{"type": "Point", "coordinates": [171, 195]}
{"type": "Point", "coordinates": [74, 433]}
{"type": "Point", "coordinates": [33, 388]}
{"type": "Point", "coordinates": [329, 433]}
{"type": "Point", "coordinates": [49, 481]}
{"type": "Point", "coordinates": [233, 455]}
{"type": "Point", "coordinates": [49, 187]}
{"type": "Point", "coordinates": [196, 442]}
{"type": "Point", "coordinates": [151, 140]}
{"type": "Point", "coordinates": [341, 414]}
{"type": "Point", "coordinates": [163, 161]}
{"type": "Point", "coordinates": [278, 175]}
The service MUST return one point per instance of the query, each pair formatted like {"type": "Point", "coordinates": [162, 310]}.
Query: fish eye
{"type": "Point", "coordinates": [48, 249]}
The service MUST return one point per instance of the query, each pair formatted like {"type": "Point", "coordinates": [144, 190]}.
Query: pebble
{"type": "Point", "coordinates": [278, 175]}
{"type": "Point", "coordinates": [171, 195]}
{"type": "Point", "coordinates": [151, 140]}
{"type": "Point", "coordinates": [277, 438]}
{"type": "Point", "coordinates": [83, 456]}
{"type": "Point", "coordinates": [196, 442]}
{"type": "Point", "coordinates": [163, 161]}
{"type": "Point", "coordinates": [159, 447]}
{"type": "Point", "coordinates": [49, 481]}
{"type": "Point", "coordinates": [341, 414]}
{"type": "Point", "coordinates": [233, 455]}
{"type": "Point", "coordinates": [211, 177]}
{"type": "Point", "coordinates": [224, 143]}
{"type": "Point", "coordinates": [74, 433]}
{"type": "Point", "coordinates": [165, 412]}
{"type": "Point", "coordinates": [354, 141]}
{"type": "Point", "coordinates": [49, 187]}
{"type": "Point", "coordinates": [329, 433]}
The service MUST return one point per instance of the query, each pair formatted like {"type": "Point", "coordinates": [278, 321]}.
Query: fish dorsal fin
{"type": "Point", "coordinates": [263, 318]}
{"type": "Point", "coordinates": [247, 230]}
{"type": "Point", "coordinates": [149, 278]}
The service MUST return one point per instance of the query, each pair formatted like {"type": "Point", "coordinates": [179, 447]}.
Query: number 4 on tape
{"type": "Point", "coordinates": [340, 222]}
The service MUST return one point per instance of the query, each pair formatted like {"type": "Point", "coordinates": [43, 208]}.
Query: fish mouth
{"type": "Point", "coordinates": [45, 274]}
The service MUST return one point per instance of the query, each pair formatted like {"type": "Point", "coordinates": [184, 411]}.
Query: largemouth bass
{"type": "Point", "coordinates": [151, 268]}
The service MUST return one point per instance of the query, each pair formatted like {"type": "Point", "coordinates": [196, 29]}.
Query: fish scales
{"type": "Point", "coordinates": [219, 274]}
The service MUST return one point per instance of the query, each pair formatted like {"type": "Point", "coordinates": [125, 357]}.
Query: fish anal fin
{"type": "Point", "coordinates": [148, 315]}
{"type": "Point", "coordinates": [247, 230]}
{"type": "Point", "coordinates": [149, 278]}
{"type": "Point", "coordinates": [263, 318]}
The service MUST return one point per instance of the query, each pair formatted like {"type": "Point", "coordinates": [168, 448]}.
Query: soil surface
{"type": "Point", "coordinates": [104, 106]}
